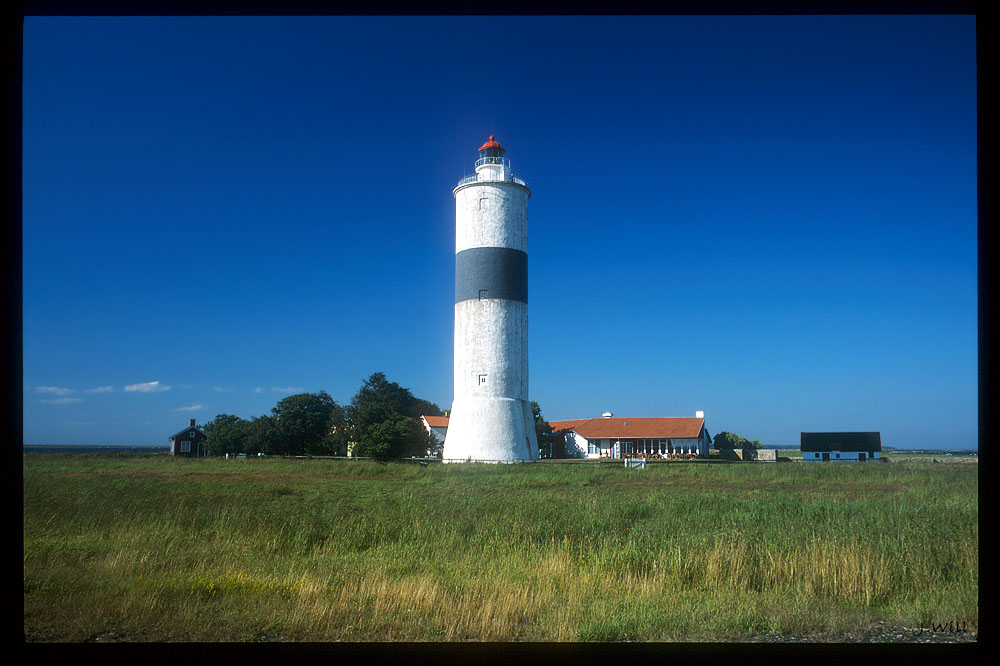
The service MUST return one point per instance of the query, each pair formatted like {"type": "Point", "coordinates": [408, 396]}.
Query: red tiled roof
{"type": "Point", "coordinates": [655, 426]}
{"type": "Point", "coordinates": [567, 425]}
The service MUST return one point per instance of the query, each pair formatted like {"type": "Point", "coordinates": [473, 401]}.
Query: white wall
{"type": "Point", "coordinates": [580, 445]}
{"type": "Point", "coordinates": [491, 417]}
{"type": "Point", "coordinates": [816, 456]}
{"type": "Point", "coordinates": [491, 215]}
{"type": "Point", "coordinates": [576, 446]}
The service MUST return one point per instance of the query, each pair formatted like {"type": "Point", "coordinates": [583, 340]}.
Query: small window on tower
{"type": "Point", "coordinates": [482, 380]}
{"type": "Point", "coordinates": [484, 203]}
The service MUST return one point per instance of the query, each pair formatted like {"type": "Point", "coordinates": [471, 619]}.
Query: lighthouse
{"type": "Point", "coordinates": [491, 417]}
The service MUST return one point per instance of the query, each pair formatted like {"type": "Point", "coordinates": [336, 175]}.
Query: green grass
{"type": "Point", "coordinates": [155, 548]}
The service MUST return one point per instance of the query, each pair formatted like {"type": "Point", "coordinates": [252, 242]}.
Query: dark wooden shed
{"type": "Point", "coordinates": [833, 446]}
{"type": "Point", "coordinates": [188, 442]}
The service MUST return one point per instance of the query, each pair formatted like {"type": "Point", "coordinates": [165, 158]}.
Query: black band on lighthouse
{"type": "Point", "coordinates": [491, 272]}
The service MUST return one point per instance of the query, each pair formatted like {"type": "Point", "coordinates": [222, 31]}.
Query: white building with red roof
{"type": "Point", "coordinates": [650, 437]}
{"type": "Point", "coordinates": [437, 426]}
{"type": "Point", "coordinates": [611, 437]}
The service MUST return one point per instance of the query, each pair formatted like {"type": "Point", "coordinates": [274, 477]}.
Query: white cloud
{"type": "Point", "coordinates": [219, 389]}
{"type": "Point", "coordinates": [287, 389]}
{"type": "Point", "coordinates": [258, 390]}
{"type": "Point", "coordinates": [190, 408]}
{"type": "Point", "coordinates": [54, 390]}
{"type": "Point", "coordinates": [62, 401]}
{"type": "Point", "coordinates": [147, 387]}
{"type": "Point", "coordinates": [100, 389]}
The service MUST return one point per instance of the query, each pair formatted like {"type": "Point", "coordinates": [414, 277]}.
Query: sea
{"type": "Point", "coordinates": [936, 452]}
{"type": "Point", "coordinates": [136, 449]}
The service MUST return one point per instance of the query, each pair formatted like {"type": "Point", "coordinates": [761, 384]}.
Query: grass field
{"type": "Point", "coordinates": [161, 549]}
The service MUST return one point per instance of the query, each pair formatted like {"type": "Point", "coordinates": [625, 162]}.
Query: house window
{"type": "Point", "coordinates": [185, 446]}
{"type": "Point", "coordinates": [482, 294]}
{"type": "Point", "coordinates": [191, 434]}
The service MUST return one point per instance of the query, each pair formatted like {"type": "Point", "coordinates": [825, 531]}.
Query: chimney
{"type": "Point", "coordinates": [192, 423]}
{"type": "Point", "coordinates": [607, 415]}
{"type": "Point", "coordinates": [699, 414]}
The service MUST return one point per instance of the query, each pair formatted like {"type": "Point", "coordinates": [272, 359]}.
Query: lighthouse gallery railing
{"type": "Point", "coordinates": [483, 177]}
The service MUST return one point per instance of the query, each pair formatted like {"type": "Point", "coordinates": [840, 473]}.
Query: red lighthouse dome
{"type": "Point", "coordinates": [491, 148]}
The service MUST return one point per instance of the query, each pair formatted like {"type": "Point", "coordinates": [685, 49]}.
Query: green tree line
{"type": "Point", "coordinates": [382, 421]}
{"type": "Point", "coordinates": [728, 440]}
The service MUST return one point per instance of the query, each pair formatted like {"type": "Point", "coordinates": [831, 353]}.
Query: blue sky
{"type": "Point", "coordinates": [769, 218]}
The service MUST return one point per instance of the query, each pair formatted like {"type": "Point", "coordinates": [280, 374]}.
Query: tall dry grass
{"type": "Point", "coordinates": [158, 549]}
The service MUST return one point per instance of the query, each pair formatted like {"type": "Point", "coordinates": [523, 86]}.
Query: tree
{"type": "Point", "coordinates": [396, 437]}
{"type": "Point", "coordinates": [225, 434]}
{"type": "Point", "coordinates": [384, 421]}
{"type": "Point", "coordinates": [728, 440]}
{"type": "Point", "coordinates": [542, 427]}
{"type": "Point", "coordinates": [377, 400]}
{"type": "Point", "coordinates": [423, 407]}
{"type": "Point", "coordinates": [304, 424]}
{"type": "Point", "coordinates": [338, 439]}
{"type": "Point", "coordinates": [261, 437]}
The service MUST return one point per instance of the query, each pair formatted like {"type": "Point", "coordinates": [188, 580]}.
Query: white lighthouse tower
{"type": "Point", "coordinates": [491, 417]}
